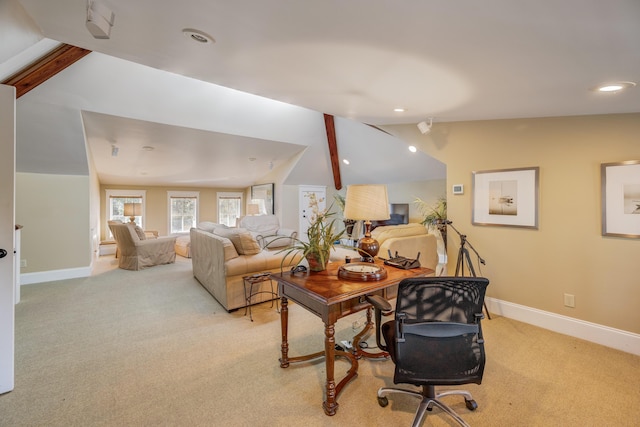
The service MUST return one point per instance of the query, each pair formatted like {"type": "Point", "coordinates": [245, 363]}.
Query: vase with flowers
{"type": "Point", "coordinates": [321, 235]}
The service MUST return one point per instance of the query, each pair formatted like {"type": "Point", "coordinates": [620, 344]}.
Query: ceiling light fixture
{"type": "Point", "coordinates": [425, 127]}
{"type": "Point", "coordinates": [199, 36]}
{"type": "Point", "coordinates": [399, 110]}
{"type": "Point", "coordinates": [345, 161]}
{"type": "Point", "coordinates": [412, 148]}
{"type": "Point", "coordinates": [615, 87]}
{"type": "Point", "coordinates": [148, 148]}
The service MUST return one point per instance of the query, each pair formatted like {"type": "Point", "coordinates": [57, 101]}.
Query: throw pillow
{"type": "Point", "coordinates": [139, 232]}
{"type": "Point", "coordinates": [229, 249]}
{"type": "Point", "coordinates": [243, 240]}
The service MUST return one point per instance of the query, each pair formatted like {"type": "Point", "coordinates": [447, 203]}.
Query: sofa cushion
{"type": "Point", "coordinates": [242, 239]}
{"type": "Point", "coordinates": [277, 241]}
{"type": "Point", "coordinates": [210, 226]}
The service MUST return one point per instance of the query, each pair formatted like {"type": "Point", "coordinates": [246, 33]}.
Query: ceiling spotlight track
{"type": "Point", "coordinates": [425, 127]}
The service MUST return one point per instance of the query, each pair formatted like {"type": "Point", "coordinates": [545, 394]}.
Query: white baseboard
{"type": "Point", "coordinates": [604, 335]}
{"type": "Point", "coordinates": [52, 275]}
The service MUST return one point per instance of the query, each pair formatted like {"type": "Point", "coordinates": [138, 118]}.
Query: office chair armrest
{"type": "Point", "coordinates": [379, 303]}
{"type": "Point", "coordinates": [382, 307]}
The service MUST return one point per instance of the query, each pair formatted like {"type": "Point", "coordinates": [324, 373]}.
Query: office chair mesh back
{"type": "Point", "coordinates": [437, 327]}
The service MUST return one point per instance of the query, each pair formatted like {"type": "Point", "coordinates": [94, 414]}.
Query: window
{"type": "Point", "coordinates": [183, 211]}
{"type": "Point", "coordinates": [115, 206]}
{"type": "Point", "coordinates": [229, 208]}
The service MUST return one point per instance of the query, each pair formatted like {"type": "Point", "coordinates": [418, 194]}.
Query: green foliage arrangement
{"type": "Point", "coordinates": [322, 234]}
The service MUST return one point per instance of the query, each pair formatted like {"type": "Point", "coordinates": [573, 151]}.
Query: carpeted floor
{"type": "Point", "coordinates": [153, 348]}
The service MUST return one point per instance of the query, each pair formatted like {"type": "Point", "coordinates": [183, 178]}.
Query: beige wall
{"type": "Point", "coordinates": [567, 254]}
{"type": "Point", "coordinates": [54, 210]}
{"type": "Point", "coordinates": [156, 213]}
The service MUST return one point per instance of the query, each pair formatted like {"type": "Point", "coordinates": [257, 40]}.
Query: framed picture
{"type": "Point", "coordinates": [621, 199]}
{"type": "Point", "coordinates": [506, 197]}
{"type": "Point", "coordinates": [262, 195]}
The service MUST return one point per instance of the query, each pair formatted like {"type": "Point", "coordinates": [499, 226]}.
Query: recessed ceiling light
{"type": "Point", "coordinates": [197, 35]}
{"type": "Point", "coordinates": [345, 161]}
{"type": "Point", "coordinates": [413, 149]}
{"type": "Point", "coordinates": [399, 110]}
{"type": "Point", "coordinates": [148, 148]}
{"type": "Point", "coordinates": [615, 86]}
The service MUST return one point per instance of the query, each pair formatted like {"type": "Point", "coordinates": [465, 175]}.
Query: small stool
{"type": "Point", "coordinates": [249, 281]}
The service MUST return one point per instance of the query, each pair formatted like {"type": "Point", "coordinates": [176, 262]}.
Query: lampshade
{"type": "Point", "coordinates": [253, 209]}
{"type": "Point", "coordinates": [132, 210]}
{"type": "Point", "coordinates": [366, 202]}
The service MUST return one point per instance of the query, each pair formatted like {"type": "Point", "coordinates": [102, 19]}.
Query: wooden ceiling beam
{"type": "Point", "coordinates": [45, 68]}
{"type": "Point", "coordinates": [333, 150]}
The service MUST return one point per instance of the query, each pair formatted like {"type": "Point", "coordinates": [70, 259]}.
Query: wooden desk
{"type": "Point", "coordinates": [331, 298]}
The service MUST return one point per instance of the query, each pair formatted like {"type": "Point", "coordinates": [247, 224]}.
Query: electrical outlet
{"type": "Point", "coordinates": [23, 263]}
{"type": "Point", "coordinates": [569, 300]}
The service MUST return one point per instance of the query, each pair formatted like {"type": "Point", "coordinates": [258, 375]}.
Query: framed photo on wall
{"type": "Point", "coordinates": [621, 199]}
{"type": "Point", "coordinates": [506, 197]}
{"type": "Point", "coordinates": [262, 195]}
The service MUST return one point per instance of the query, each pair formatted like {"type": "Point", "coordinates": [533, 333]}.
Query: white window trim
{"type": "Point", "coordinates": [171, 194]}
{"type": "Point", "coordinates": [226, 195]}
{"type": "Point", "coordinates": [125, 193]}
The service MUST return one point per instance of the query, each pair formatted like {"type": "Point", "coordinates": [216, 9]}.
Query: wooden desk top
{"type": "Point", "coordinates": [327, 288]}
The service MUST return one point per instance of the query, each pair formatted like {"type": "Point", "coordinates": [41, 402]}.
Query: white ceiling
{"type": "Point", "coordinates": [357, 59]}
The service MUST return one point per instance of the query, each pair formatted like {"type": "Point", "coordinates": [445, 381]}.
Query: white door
{"type": "Point", "coordinates": [307, 193]}
{"type": "Point", "coordinates": [7, 235]}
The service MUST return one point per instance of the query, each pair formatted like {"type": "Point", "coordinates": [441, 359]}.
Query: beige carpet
{"type": "Point", "coordinates": [153, 348]}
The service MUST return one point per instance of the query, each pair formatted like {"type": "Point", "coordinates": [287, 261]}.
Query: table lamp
{"type": "Point", "coordinates": [253, 209]}
{"type": "Point", "coordinates": [366, 203]}
{"type": "Point", "coordinates": [132, 210]}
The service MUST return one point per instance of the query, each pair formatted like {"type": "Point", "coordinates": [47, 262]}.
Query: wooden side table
{"type": "Point", "coordinates": [249, 281]}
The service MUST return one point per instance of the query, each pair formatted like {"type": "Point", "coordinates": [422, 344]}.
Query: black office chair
{"type": "Point", "coordinates": [435, 339]}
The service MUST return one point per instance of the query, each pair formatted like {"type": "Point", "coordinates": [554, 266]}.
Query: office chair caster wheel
{"type": "Point", "coordinates": [471, 405]}
{"type": "Point", "coordinates": [383, 401]}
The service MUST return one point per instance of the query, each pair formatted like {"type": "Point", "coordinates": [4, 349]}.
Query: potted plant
{"type": "Point", "coordinates": [322, 234]}
{"type": "Point", "coordinates": [434, 215]}
{"type": "Point", "coordinates": [348, 223]}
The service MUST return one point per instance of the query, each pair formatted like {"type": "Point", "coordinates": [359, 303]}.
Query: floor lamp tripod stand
{"type": "Point", "coordinates": [463, 255]}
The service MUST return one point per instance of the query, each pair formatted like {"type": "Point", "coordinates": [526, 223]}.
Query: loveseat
{"type": "Point", "coordinates": [222, 256]}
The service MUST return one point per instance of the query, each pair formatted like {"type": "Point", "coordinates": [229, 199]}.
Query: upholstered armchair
{"type": "Point", "coordinates": [266, 230]}
{"type": "Point", "coordinates": [136, 252]}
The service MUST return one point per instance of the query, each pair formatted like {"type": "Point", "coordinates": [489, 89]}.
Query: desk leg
{"type": "Point", "coordinates": [284, 327]}
{"type": "Point", "coordinates": [330, 405]}
{"type": "Point", "coordinates": [357, 351]}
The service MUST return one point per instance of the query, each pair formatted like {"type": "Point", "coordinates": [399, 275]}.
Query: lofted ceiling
{"type": "Point", "coordinates": [358, 60]}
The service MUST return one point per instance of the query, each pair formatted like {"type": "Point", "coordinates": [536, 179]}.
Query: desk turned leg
{"type": "Point", "coordinates": [330, 405]}
{"type": "Point", "coordinates": [357, 351]}
{"type": "Point", "coordinates": [284, 327]}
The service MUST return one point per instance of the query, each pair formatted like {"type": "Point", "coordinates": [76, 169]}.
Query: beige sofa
{"type": "Point", "coordinates": [222, 256]}
{"type": "Point", "coordinates": [407, 240]}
